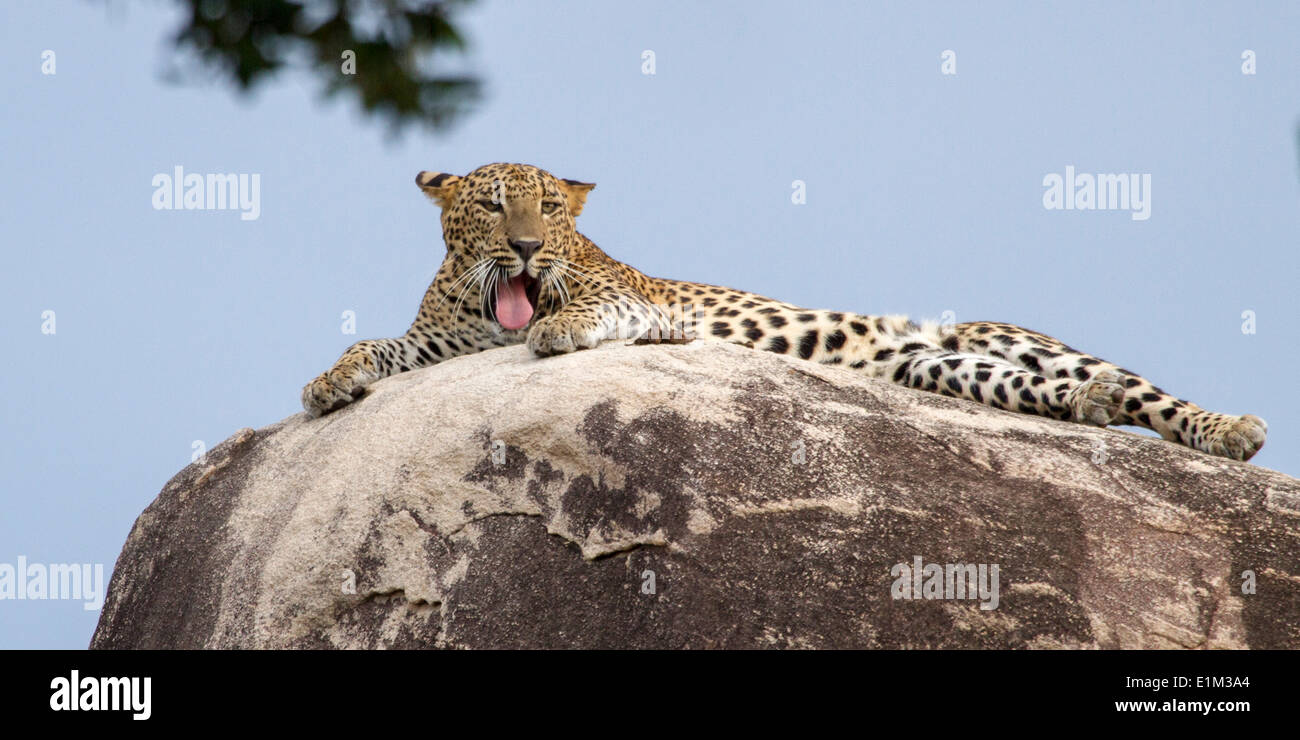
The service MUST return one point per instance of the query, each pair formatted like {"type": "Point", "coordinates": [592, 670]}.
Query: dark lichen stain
{"type": "Point", "coordinates": [812, 572]}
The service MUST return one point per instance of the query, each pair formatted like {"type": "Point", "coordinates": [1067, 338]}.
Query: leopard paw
{"type": "Point", "coordinates": [555, 335]}
{"type": "Point", "coordinates": [334, 389]}
{"type": "Point", "coordinates": [1097, 401]}
{"type": "Point", "coordinates": [1237, 437]}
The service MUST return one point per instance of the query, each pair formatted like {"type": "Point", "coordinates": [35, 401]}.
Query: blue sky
{"type": "Point", "coordinates": [924, 196]}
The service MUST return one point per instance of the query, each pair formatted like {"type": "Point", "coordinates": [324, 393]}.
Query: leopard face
{"type": "Point", "coordinates": [513, 227]}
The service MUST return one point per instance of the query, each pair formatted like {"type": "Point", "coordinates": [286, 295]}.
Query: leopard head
{"type": "Point", "coordinates": [513, 224]}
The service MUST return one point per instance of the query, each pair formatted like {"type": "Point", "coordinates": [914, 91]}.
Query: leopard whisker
{"type": "Point", "coordinates": [469, 272]}
{"type": "Point", "coordinates": [556, 283]}
{"type": "Point", "coordinates": [490, 293]}
{"type": "Point", "coordinates": [480, 274]}
{"type": "Point", "coordinates": [548, 284]}
{"type": "Point", "coordinates": [572, 272]}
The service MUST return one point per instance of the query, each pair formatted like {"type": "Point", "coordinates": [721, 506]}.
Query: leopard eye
{"type": "Point", "coordinates": [550, 206]}
{"type": "Point", "coordinates": [490, 206]}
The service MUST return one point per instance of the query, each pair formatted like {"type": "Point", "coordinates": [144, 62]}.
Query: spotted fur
{"type": "Point", "coordinates": [505, 222]}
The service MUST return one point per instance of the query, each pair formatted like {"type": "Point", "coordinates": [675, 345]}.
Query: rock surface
{"type": "Point", "coordinates": [701, 495]}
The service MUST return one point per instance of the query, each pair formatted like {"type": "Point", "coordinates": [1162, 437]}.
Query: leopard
{"type": "Point", "coordinates": [517, 270]}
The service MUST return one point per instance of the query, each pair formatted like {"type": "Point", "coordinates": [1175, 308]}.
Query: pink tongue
{"type": "Point", "coordinates": [513, 308]}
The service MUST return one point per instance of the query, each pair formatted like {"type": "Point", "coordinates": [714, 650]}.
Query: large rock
{"type": "Point", "coordinates": [498, 500]}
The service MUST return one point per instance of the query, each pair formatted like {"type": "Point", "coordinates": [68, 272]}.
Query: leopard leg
{"type": "Point", "coordinates": [1144, 404]}
{"type": "Point", "coordinates": [372, 359]}
{"type": "Point", "coordinates": [612, 312]}
{"type": "Point", "coordinates": [1003, 385]}
{"type": "Point", "coordinates": [896, 349]}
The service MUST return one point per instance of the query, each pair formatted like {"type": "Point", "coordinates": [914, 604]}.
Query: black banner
{"type": "Point", "coordinates": [934, 690]}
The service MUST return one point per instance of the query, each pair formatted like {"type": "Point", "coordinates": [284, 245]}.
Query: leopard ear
{"type": "Point", "coordinates": [576, 193]}
{"type": "Point", "coordinates": [440, 187]}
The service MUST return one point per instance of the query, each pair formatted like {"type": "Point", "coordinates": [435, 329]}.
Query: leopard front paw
{"type": "Point", "coordinates": [1237, 437]}
{"type": "Point", "coordinates": [335, 389]}
{"type": "Point", "coordinates": [1097, 401]}
{"type": "Point", "coordinates": [555, 335]}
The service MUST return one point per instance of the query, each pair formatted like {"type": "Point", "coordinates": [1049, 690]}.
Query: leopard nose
{"type": "Point", "coordinates": [525, 247]}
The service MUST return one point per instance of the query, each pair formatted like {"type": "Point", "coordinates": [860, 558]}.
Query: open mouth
{"type": "Point", "coordinates": [516, 300]}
